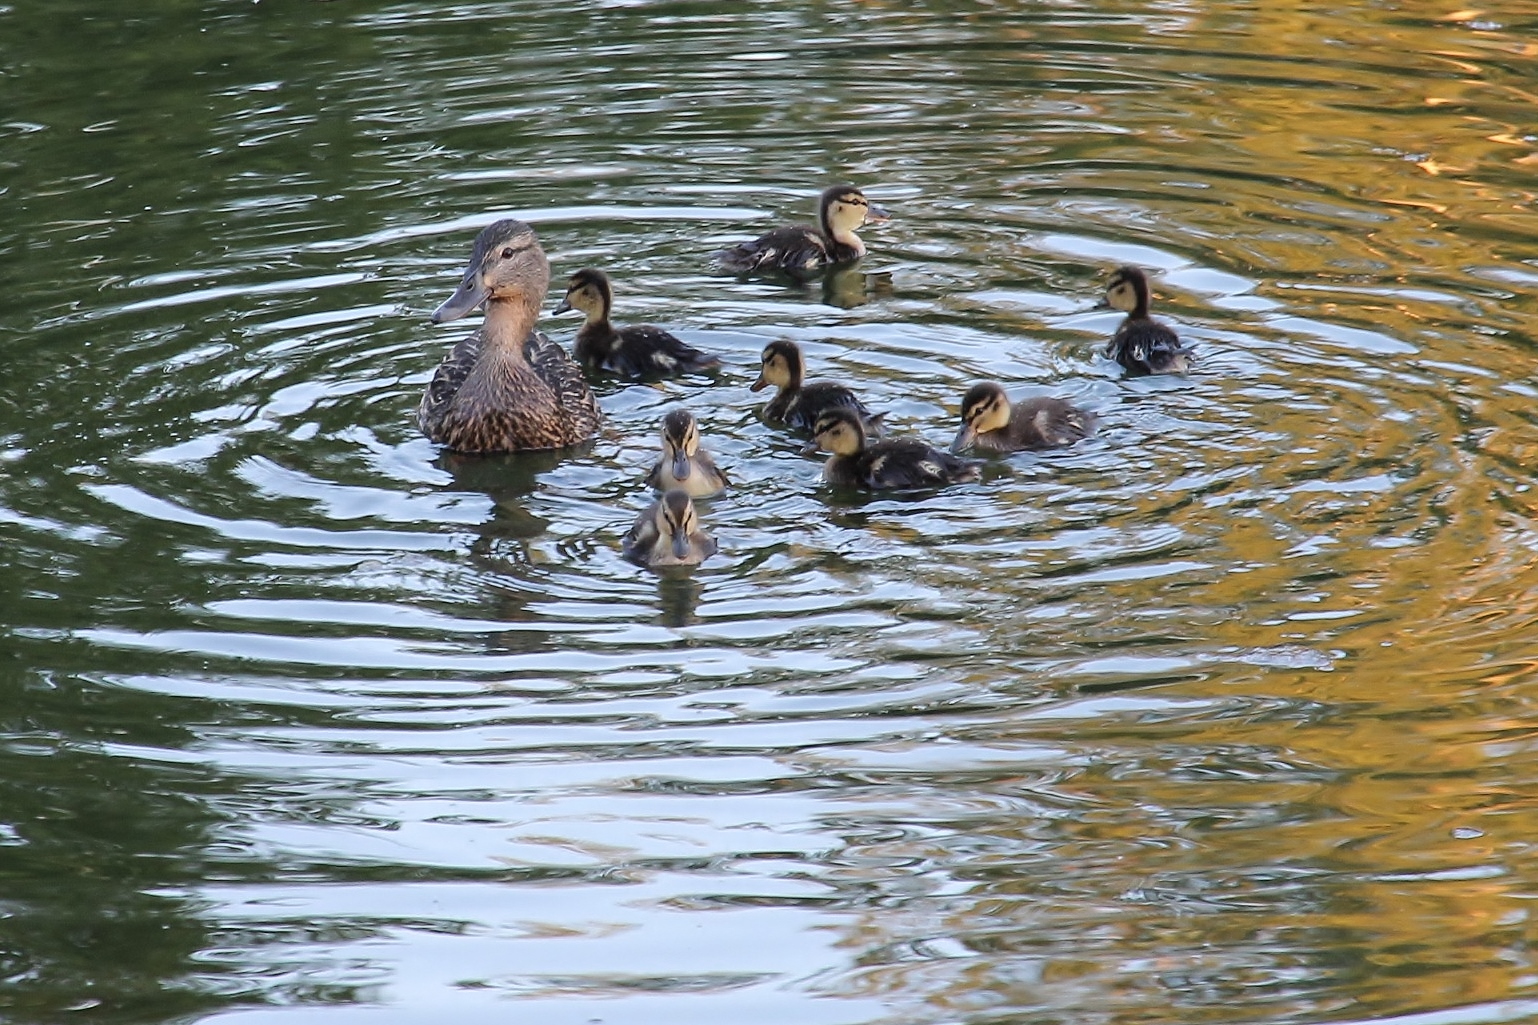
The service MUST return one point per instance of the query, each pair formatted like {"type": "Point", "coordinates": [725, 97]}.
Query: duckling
{"type": "Point", "coordinates": [684, 465]}
{"type": "Point", "coordinates": [799, 403]}
{"type": "Point", "coordinates": [900, 463]}
{"type": "Point", "coordinates": [667, 533]}
{"type": "Point", "coordinates": [988, 421]}
{"type": "Point", "coordinates": [800, 248]}
{"type": "Point", "coordinates": [634, 352]}
{"type": "Point", "coordinates": [506, 388]}
{"type": "Point", "coordinates": [1141, 344]}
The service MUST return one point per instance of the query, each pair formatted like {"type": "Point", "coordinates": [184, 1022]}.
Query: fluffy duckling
{"type": "Point", "coordinates": [900, 463]}
{"type": "Point", "coordinates": [800, 248]}
{"type": "Point", "coordinates": [506, 388]}
{"type": "Point", "coordinates": [799, 403]}
{"type": "Point", "coordinates": [634, 352]}
{"type": "Point", "coordinates": [667, 533]}
{"type": "Point", "coordinates": [1141, 344]}
{"type": "Point", "coordinates": [684, 465]}
{"type": "Point", "coordinates": [989, 422]}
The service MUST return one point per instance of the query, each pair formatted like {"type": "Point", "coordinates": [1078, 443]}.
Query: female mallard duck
{"type": "Point", "coordinates": [1141, 344]}
{"type": "Point", "coordinates": [667, 533]}
{"type": "Point", "coordinates": [506, 388]}
{"type": "Point", "coordinates": [634, 352]}
{"type": "Point", "coordinates": [684, 465]}
{"type": "Point", "coordinates": [799, 403]}
{"type": "Point", "coordinates": [900, 463]}
{"type": "Point", "coordinates": [988, 421]}
{"type": "Point", "coordinates": [799, 248]}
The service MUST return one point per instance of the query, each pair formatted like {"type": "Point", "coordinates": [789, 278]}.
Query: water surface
{"type": "Point", "coordinates": [1218, 717]}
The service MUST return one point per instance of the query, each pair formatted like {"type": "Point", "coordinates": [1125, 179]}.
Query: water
{"type": "Point", "coordinates": [1222, 716]}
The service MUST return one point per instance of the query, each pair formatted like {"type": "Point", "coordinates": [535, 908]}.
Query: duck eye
{"type": "Point", "coordinates": [507, 253]}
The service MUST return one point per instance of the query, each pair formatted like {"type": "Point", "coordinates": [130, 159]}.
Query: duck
{"type": "Point", "coordinates": [683, 464]}
{"type": "Point", "coordinates": [1141, 344]}
{"type": "Point", "coordinates": [635, 352]}
{"type": "Point", "coordinates": [799, 403]}
{"type": "Point", "coordinates": [899, 463]}
{"type": "Point", "coordinates": [991, 423]}
{"type": "Point", "coordinates": [799, 248]}
{"type": "Point", "coordinates": [667, 533]}
{"type": "Point", "coordinates": [506, 387]}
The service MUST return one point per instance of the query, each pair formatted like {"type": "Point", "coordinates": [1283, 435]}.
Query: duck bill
{"type": "Point", "coordinates": [964, 439]}
{"type": "Point", "coordinates": [680, 544]}
{"type": "Point", "coordinates": [758, 385]}
{"type": "Point", "coordinates": [470, 294]}
{"type": "Point", "coordinates": [811, 448]}
{"type": "Point", "coordinates": [680, 464]}
{"type": "Point", "coordinates": [876, 214]}
{"type": "Point", "coordinates": [564, 306]}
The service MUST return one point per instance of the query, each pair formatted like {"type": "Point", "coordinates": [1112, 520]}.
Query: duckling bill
{"type": "Point", "coordinates": [506, 387]}
{"type": "Point", "coordinates": [899, 463]}
{"type": "Point", "coordinates": [990, 422]}
{"type": "Point", "coordinates": [1141, 344]}
{"type": "Point", "coordinates": [799, 249]}
{"type": "Point", "coordinates": [683, 464]}
{"type": "Point", "coordinates": [636, 352]}
{"type": "Point", "coordinates": [667, 533]}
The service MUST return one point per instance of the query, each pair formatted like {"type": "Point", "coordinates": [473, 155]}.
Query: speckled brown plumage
{"type": "Point", "coordinates": [506, 388]}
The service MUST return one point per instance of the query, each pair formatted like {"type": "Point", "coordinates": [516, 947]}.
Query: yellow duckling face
{"type": "Point", "coordinates": [838, 431]}
{"type": "Point", "coordinates": [846, 209]}
{"type": "Point", "coordinates": [676, 521]}
{"type": "Point", "coordinates": [780, 365]}
{"type": "Point", "coordinates": [588, 291]}
{"type": "Point", "coordinates": [680, 441]}
{"type": "Point", "coordinates": [507, 264]}
{"type": "Point", "coordinates": [1127, 290]}
{"type": "Point", "coordinates": [984, 408]}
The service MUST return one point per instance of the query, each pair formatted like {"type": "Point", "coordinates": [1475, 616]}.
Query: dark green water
{"type": "Point", "coordinates": [1224, 716]}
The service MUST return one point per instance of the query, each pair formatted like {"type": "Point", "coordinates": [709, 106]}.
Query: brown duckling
{"type": "Point", "coordinates": [684, 465]}
{"type": "Point", "coordinates": [900, 463]}
{"type": "Point", "coordinates": [635, 352]}
{"type": "Point", "coordinates": [506, 388]}
{"type": "Point", "coordinates": [667, 533]}
{"type": "Point", "coordinates": [799, 248]}
{"type": "Point", "coordinates": [799, 403]}
{"type": "Point", "coordinates": [989, 422]}
{"type": "Point", "coordinates": [1141, 344]}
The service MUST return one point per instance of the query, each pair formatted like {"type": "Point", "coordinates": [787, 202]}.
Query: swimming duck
{"type": "Point", "coordinates": [667, 533]}
{"type": "Point", "coordinates": [684, 465]}
{"type": "Point", "coordinates": [1141, 344]}
{"type": "Point", "coordinates": [799, 248]}
{"type": "Point", "coordinates": [506, 388]}
{"type": "Point", "coordinates": [799, 403]}
{"type": "Point", "coordinates": [635, 352]}
{"type": "Point", "coordinates": [900, 463]}
{"type": "Point", "coordinates": [988, 421]}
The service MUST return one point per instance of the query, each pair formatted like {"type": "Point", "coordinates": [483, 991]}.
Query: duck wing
{"type": "Point", "coordinates": [564, 379]}
{"type": "Point", "coordinates": [446, 382]}
{"type": "Point", "coordinates": [793, 248]}
{"type": "Point", "coordinates": [647, 351]}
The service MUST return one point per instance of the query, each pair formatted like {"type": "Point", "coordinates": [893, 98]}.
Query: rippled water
{"type": "Point", "coordinates": [1221, 716]}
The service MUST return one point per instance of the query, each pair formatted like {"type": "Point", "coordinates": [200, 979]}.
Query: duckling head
{"type": "Point", "coordinates": [842, 209]}
{"type": "Point", "coordinates": [780, 365]}
{"type": "Point", "coordinates": [1127, 290]}
{"type": "Point", "coordinates": [680, 440]}
{"type": "Point", "coordinates": [588, 291]}
{"type": "Point", "coordinates": [507, 264]}
{"type": "Point", "coordinates": [676, 521]}
{"type": "Point", "coordinates": [838, 431]}
{"type": "Point", "coordinates": [984, 408]}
